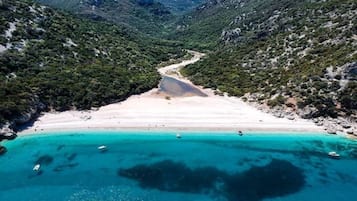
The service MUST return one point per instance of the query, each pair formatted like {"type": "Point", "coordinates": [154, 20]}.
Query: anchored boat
{"type": "Point", "coordinates": [334, 155]}
{"type": "Point", "coordinates": [36, 168]}
{"type": "Point", "coordinates": [102, 148]}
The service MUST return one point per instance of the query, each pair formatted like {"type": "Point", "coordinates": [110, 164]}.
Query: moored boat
{"type": "Point", "coordinates": [36, 168]}
{"type": "Point", "coordinates": [333, 154]}
{"type": "Point", "coordinates": [102, 148]}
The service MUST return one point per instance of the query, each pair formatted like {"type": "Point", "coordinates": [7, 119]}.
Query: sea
{"type": "Point", "coordinates": [160, 166]}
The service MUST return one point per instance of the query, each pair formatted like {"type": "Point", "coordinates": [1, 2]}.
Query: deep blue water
{"type": "Point", "coordinates": [156, 166]}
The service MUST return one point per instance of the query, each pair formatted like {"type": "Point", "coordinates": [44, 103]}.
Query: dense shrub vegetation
{"type": "Point", "coordinates": [283, 53]}
{"type": "Point", "coordinates": [304, 50]}
{"type": "Point", "coordinates": [56, 61]}
{"type": "Point", "coordinates": [147, 16]}
{"type": "Point", "coordinates": [181, 6]}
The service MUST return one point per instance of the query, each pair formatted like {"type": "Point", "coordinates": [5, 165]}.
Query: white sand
{"type": "Point", "coordinates": [153, 111]}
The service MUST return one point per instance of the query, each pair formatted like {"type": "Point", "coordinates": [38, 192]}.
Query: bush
{"type": "Point", "coordinates": [279, 100]}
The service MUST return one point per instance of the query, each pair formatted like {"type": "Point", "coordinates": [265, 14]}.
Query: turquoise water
{"type": "Point", "coordinates": [156, 166]}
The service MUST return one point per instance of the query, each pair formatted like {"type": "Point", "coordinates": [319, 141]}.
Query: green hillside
{"type": "Point", "coordinates": [145, 16]}
{"type": "Point", "coordinates": [50, 60]}
{"type": "Point", "coordinates": [296, 55]}
{"type": "Point", "coordinates": [181, 6]}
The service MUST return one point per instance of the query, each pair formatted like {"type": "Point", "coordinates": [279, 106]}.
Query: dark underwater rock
{"type": "Point", "coordinates": [172, 176]}
{"type": "Point", "coordinates": [278, 178]}
{"type": "Point", "coordinates": [71, 157]}
{"type": "Point", "coordinates": [6, 133]}
{"type": "Point", "coordinates": [3, 150]}
{"type": "Point", "coordinates": [44, 160]}
{"type": "Point", "coordinates": [63, 167]}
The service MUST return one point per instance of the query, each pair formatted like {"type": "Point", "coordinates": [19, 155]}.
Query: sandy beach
{"type": "Point", "coordinates": [155, 110]}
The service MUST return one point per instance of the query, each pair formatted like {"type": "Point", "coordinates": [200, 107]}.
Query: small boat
{"type": "Point", "coordinates": [178, 136]}
{"type": "Point", "coordinates": [36, 168]}
{"type": "Point", "coordinates": [240, 133]}
{"type": "Point", "coordinates": [102, 148]}
{"type": "Point", "coordinates": [334, 155]}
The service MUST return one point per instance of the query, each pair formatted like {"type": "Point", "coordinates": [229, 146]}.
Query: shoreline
{"type": "Point", "coordinates": [155, 110]}
{"type": "Point", "coordinates": [173, 132]}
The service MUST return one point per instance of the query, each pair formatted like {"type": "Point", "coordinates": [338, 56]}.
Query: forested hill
{"type": "Point", "coordinates": [50, 60]}
{"type": "Point", "coordinates": [147, 16]}
{"type": "Point", "coordinates": [294, 55]}
{"type": "Point", "coordinates": [181, 6]}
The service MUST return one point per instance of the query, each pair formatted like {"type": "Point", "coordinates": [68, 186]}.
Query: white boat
{"type": "Point", "coordinates": [36, 168]}
{"type": "Point", "coordinates": [178, 135]}
{"type": "Point", "coordinates": [102, 148]}
{"type": "Point", "coordinates": [333, 154]}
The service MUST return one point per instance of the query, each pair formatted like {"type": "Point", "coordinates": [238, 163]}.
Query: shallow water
{"type": "Point", "coordinates": [156, 166]}
{"type": "Point", "coordinates": [175, 87]}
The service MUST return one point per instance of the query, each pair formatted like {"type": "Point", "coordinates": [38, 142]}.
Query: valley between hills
{"type": "Point", "coordinates": [268, 65]}
{"type": "Point", "coordinates": [175, 106]}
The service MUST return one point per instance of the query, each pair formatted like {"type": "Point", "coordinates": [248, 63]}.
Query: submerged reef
{"type": "Point", "coordinates": [275, 179]}
{"type": "Point", "coordinates": [44, 160]}
{"type": "Point", "coordinates": [3, 150]}
{"type": "Point", "coordinates": [172, 176]}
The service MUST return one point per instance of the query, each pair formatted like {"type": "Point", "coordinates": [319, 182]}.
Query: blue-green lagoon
{"type": "Point", "coordinates": [157, 166]}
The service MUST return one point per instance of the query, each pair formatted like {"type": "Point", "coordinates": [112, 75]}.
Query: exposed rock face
{"type": "Point", "coordinates": [337, 125]}
{"type": "Point", "coordinates": [32, 113]}
{"type": "Point", "coordinates": [231, 35]}
{"type": "Point", "coordinates": [351, 71]}
{"type": "Point", "coordinates": [307, 112]}
{"type": "Point", "coordinates": [26, 117]}
{"type": "Point", "coordinates": [7, 131]}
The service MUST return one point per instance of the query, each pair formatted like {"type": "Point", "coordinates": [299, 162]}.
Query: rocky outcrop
{"type": "Point", "coordinates": [6, 133]}
{"type": "Point", "coordinates": [307, 112]}
{"type": "Point", "coordinates": [3, 4]}
{"type": "Point", "coordinates": [337, 125]}
{"type": "Point", "coordinates": [231, 36]}
{"type": "Point", "coordinates": [31, 114]}
{"type": "Point", "coordinates": [8, 130]}
{"type": "Point", "coordinates": [350, 71]}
